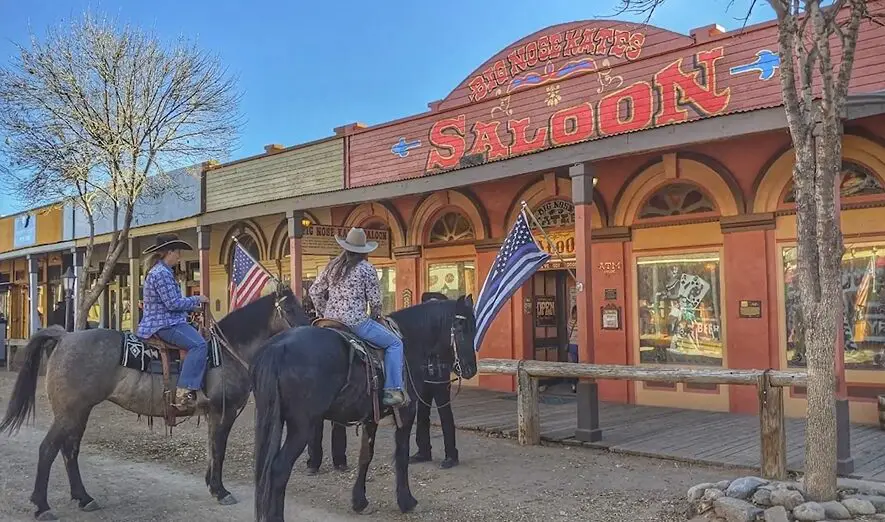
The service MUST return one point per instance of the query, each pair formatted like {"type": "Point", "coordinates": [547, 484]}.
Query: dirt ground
{"type": "Point", "coordinates": [138, 474]}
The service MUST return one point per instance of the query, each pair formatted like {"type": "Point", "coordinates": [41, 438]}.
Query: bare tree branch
{"type": "Point", "coordinates": [97, 113]}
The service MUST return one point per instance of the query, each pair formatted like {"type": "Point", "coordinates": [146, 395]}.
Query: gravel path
{"type": "Point", "coordinates": [141, 474]}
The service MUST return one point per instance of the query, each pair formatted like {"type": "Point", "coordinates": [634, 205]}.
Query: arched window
{"type": "Point", "coordinates": [676, 199]}
{"type": "Point", "coordinates": [451, 226]}
{"type": "Point", "coordinates": [857, 180]}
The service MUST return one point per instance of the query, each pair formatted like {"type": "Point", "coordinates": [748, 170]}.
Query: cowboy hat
{"type": "Point", "coordinates": [166, 242]}
{"type": "Point", "coordinates": [356, 242]}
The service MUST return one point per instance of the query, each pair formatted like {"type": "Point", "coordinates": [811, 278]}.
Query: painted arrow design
{"type": "Point", "coordinates": [766, 63]}
{"type": "Point", "coordinates": [402, 147]}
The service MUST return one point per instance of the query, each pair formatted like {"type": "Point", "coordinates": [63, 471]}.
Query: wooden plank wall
{"type": "Point", "coordinates": [309, 169]}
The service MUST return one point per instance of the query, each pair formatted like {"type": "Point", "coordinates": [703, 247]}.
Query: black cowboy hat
{"type": "Point", "coordinates": [166, 242]}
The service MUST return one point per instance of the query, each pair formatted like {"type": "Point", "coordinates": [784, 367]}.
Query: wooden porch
{"type": "Point", "coordinates": [718, 438]}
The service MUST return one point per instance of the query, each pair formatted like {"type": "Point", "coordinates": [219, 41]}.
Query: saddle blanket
{"type": "Point", "coordinates": [138, 355]}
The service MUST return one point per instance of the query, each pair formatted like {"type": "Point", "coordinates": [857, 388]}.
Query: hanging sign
{"type": "Point", "coordinates": [545, 310]}
{"type": "Point", "coordinates": [319, 240]}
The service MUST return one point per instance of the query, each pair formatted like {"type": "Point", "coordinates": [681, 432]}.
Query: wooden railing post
{"type": "Point", "coordinates": [528, 423]}
{"type": "Point", "coordinates": [773, 431]}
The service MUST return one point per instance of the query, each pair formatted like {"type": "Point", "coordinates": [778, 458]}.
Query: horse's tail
{"type": "Point", "coordinates": [24, 394]}
{"type": "Point", "coordinates": [268, 426]}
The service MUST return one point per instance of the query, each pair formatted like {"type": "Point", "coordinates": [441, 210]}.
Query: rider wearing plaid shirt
{"type": "Point", "coordinates": [165, 316]}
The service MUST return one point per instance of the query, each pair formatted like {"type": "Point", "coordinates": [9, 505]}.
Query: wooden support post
{"type": "Point", "coordinates": [528, 419]}
{"type": "Point", "coordinates": [772, 430]}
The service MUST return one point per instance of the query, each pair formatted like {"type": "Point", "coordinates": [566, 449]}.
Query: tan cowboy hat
{"type": "Point", "coordinates": [356, 242]}
{"type": "Point", "coordinates": [165, 242]}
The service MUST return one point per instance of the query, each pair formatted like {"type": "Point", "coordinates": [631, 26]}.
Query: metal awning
{"type": "Point", "coordinates": [39, 249]}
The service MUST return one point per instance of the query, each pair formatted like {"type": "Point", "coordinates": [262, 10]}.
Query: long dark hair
{"type": "Point", "coordinates": [343, 264]}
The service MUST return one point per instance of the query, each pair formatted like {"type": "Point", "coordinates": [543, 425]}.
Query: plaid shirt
{"type": "Point", "coordinates": [163, 303]}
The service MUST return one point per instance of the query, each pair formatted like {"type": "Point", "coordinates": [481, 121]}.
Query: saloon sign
{"type": "Point", "coordinates": [319, 240]}
{"type": "Point", "coordinates": [669, 95]}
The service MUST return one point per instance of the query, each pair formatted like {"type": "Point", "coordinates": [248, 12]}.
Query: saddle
{"type": "Point", "coordinates": [168, 353]}
{"type": "Point", "coordinates": [372, 356]}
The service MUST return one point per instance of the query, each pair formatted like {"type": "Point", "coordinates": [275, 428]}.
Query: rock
{"type": "Point", "coordinates": [712, 494]}
{"type": "Point", "coordinates": [809, 512]}
{"type": "Point", "coordinates": [836, 511]}
{"type": "Point", "coordinates": [723, 484]}
{"type": "Point", "coordinates": [877, 501]}
{"type": "Point", "coordinates": [696, 492]}
{"type": "Point", "coordinates": [762, 497]}
{"type": "Point", "coordinates": [744, 487]}
{"type": "Point", "coordinates": [735, 510]}
{"type": "Point", "coordinates": [858, 506]}
{"type": "Point", "coordinates": [776, 514]}
{"type": "Point", "coordinates": [788, 498]}
{"type": "Point", "coordinates": [864, 487]}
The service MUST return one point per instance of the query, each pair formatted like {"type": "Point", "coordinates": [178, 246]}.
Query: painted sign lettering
{"type": "Point", "coordinates": [572, 43]}
{"type": "Point", "coordinates": [667, 98]}
{"type": "Point", "coordinates": [319, 240]}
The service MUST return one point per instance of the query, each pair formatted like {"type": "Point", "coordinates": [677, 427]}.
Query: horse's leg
{"type": "Point", "coordinates": [297, 435]}
{"type": "Point", "coordinates": [48, 451]}
{"type": "Point", "coordinates": [404, 497]}
{"type": "Point", "coordinates": [359, 501]}
{"type": "Point", "coordinates": [70, 451]}
{"type": "Point", "coordinates": [220, 424]}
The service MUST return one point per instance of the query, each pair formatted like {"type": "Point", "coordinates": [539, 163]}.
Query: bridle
{"type": "Point", "coordinates": [216, 332]}
{"type": "Point", "coordinates": [456, 368]}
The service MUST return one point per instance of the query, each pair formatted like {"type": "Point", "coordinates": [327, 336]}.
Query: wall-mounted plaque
{"type": "Point", "coordinates": [750, 309]}
{"type": "Point", "coordinates": [611, 317]}
{"type": "Point", "coordinates": [611, 294]}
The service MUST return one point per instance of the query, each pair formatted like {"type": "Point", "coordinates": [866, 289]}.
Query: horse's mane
{"type": "Point", "coordinates": [424, 321]}
{"type": "Point", "coordinates": [243, 324]}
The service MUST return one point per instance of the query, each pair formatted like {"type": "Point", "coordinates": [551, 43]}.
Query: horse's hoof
{"type": "Point", "coordinates": [46, 515]}
{"type": "Point", "coordinates": [360, 505]}
{"type": "Point", "coordinates": [228, 500]}
{"type": "Point", "coordinates": [91, 506]}
{"type": "Point", "coordinates": [406, 506]}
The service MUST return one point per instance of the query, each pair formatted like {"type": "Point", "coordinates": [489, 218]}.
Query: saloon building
{"type": "Point", "coordinates": [658, 163]}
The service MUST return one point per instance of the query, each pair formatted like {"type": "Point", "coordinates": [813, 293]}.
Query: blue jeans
{"type": "Point", "coordinates": [193, 368]}
{"type": "Point", "coordinates": [393, 351]}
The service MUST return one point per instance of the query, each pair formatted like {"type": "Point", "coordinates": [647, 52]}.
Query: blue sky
{"type": "Point", "coordinates": [307, 67]}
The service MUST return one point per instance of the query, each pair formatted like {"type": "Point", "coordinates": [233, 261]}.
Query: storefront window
{"type": "Point", "coordinates": [680, 311]}
{"type": "Point", "coordinates": [453, 279]}
{"type": "Point", "coordinates": [863, 301]}
{"type": "Point", "coordinates": [387, 279]}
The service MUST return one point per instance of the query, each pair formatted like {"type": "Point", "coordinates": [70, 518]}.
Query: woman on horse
{"type": "Point", "coordinates": [344, 290]}
{"type": "Point", "coordinates": [165, 316]}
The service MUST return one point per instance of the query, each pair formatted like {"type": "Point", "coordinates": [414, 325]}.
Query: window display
{"type": "Point", "coordinates": [863, 320]}
{"type": "Point", "coordinates": [454, 279]}
{"type": "Point", "coordinates": [387, 280]}
{"type": "Point", "coordinates": [680, 311]}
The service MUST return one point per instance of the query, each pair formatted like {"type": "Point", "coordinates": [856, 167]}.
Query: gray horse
{"type": "Point", "coordinates": [84, 370]}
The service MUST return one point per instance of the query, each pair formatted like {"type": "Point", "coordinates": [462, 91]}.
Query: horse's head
{"type": "Point", "coordinates": [463, 332]}
{"type": "Point", "coordinates": [288, 311]}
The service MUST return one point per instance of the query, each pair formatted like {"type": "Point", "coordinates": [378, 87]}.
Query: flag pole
{"type": "Point", "coordinates": [527, 210]}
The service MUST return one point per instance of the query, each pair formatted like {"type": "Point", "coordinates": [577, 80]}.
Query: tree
{"type": "Point", "coordinates": [816, 46]}
{"type": "Point", "coordinates": [97, 114]}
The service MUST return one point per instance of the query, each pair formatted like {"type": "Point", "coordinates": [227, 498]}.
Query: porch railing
{"type": "Point", "coordinates": [770, 386]}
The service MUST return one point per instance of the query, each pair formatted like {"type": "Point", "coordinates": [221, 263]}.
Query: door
{"type": "Point", "coordinates": [549, 321]}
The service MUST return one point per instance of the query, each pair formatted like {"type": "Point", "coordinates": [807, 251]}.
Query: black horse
{"type": "Point", "coordinates": [308, 374]}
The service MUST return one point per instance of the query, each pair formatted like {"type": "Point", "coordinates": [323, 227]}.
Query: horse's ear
{"type": "Point", "coordinates": [469, 300]}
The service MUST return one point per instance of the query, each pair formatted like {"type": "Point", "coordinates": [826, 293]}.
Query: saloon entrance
{"type": "Point", "coordinates": [553, 296]}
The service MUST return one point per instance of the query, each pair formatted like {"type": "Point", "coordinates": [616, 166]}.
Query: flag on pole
{"type": "Point", "coordinates": [247, 279]}
{"type": "Point", "coordinates": [517, 260]}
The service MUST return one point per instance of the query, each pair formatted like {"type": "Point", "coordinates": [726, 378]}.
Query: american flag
{"type": "Point", "coordinates": [247, 279]}
{"type": "Point", "coordinates": [517, 260]}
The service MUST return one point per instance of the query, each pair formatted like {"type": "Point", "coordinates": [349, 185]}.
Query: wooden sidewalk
{"type": "Point", "coordinates": [688, 435]}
